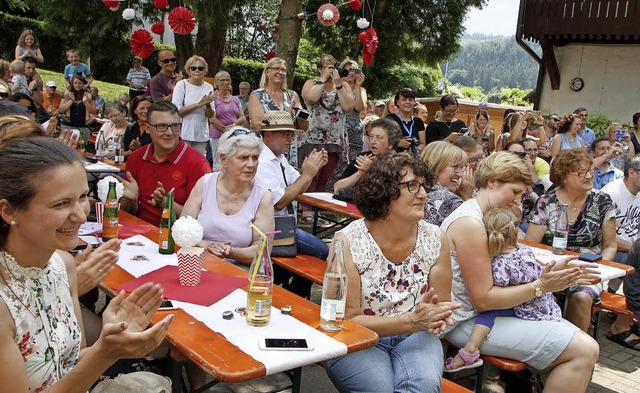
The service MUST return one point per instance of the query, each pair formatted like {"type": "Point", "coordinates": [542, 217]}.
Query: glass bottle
{"type": "Point", "coordinates": [101, 145]}
{"type": "Point", "coordinates": [260, 289]}
{"type": "Point", "coordinates": [561, 229]}
{"type": "Point", "coordinates": [110, 215]}
{"type": "Point", "coordinates": [166, 243]}
{"type": "Point", "coordinates": [334, 291]}
{"type": "Point", "coordinates": [119, 156]}
{"type": "Point", "coordinates": [81, 146]}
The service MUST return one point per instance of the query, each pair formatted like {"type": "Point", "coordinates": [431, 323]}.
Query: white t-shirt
{"type": "Point", "coordinates": [628, 214]}
{"type": "Point", "coordinates": [195, 125]}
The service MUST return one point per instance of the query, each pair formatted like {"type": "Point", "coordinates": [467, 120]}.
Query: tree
{"type": "Point", "coordinates": [419, 32]}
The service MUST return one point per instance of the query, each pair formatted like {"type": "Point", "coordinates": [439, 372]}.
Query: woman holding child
{"type": "Point", "coordinates": [501, 180]}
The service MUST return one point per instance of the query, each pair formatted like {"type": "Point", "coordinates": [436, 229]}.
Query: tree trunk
{"type": "Point", "coordinates": [290, 33]}
{"type": "Point", "coordinates": [210, 43]}
{"type": "Point", "coordinates": [184, 43]}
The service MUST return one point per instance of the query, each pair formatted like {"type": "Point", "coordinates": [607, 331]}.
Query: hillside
{"type": "Point", "coordinates": [492, 63]}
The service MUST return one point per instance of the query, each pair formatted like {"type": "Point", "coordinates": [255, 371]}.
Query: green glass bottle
{"type": "Point", "coordinates": [166, 244]}
{"type": "Point", "coordinates": [110, 214]}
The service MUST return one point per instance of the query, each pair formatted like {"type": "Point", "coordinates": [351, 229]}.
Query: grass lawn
{"type": "Point", "coordinates": [108, 91]}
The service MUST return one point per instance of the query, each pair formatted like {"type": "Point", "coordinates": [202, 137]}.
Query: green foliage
{"type": "Point", "coordinates": [421, 79]}
{"type": "Point", "coordinates": [473, 93]}
{"type": "Point", "coordinates": [492, 64]}
{"type": "Point", "coordinates": [250, 34]}
{"type": "Point", "coordinates": [108, 91]}
{"type": "Point", "coordinates": [599, 123]}
{"type": "Point", "coordinates": [514, 96]}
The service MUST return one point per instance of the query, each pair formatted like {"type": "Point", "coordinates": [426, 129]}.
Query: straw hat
{"type": "Point", "coordinates": [278, 121]}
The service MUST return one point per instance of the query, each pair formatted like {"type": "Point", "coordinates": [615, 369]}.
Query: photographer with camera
{"type": "Point", "coordinates": [412, 127]}
{"type": "Point", "coordinates": [328, 99]}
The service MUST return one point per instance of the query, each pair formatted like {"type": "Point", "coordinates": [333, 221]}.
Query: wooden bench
{"type": "Point", "coordinates": [305, 266]}
{"type": "Point", "coordinates": [610, 302]}
{"type": "Point", "coordinates": [451, 387]}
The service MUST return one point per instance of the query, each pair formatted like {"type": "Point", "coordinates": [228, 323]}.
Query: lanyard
{"type": "Point", "coordinates": [408, 130]}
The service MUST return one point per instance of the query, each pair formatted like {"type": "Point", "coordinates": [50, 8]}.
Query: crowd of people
{"type": "Point", "coordinates": [436, 254]}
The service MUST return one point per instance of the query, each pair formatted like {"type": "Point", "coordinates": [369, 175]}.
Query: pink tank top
{"type": "Point", "coordinates": [219, 227]}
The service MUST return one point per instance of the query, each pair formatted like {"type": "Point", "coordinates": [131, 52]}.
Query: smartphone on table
{"type": "Point", "coordinates": [284, 344]}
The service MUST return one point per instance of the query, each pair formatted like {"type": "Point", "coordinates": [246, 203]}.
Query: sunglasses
{"type": "Point", "coordinates": [193, 68]}
{"type": "Point", "coordinates": [167, 61]}
{"type": "Point", "coordinates": [520, 154]}
{"type": "Point", "coordinates": [242, 131]}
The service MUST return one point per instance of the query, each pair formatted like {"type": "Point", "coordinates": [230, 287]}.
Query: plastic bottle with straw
{"type": "Point", "coordinates": [260, 285]}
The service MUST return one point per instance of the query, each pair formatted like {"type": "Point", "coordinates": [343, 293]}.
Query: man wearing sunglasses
{"type": "Point", "coordinates": [162, 84]}
{"type": "Point", "coordinates": [51, 98]}
{"type": "Point", "coordinates": [164, 164]}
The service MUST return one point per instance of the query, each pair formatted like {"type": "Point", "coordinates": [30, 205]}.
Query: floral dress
{"type": "Point", "coordinates": [440, 203]}
{"type": "Point", "coordinates": [326, 124]}
{"type": "Point", "coordinates": [47, 332]}
{"type": "Point", "coordinates": [388, 288]}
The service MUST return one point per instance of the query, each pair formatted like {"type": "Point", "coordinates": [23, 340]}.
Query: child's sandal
{"type": "Point", "coordinates": [470, 361]}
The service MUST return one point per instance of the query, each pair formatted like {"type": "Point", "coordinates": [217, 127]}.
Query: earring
{"type": "Point", "coordinates": [13, 222]}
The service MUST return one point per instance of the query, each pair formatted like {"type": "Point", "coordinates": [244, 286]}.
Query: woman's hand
{"type": "Point", "coordinates": [432, 316]}
{"type": "Point", "coordinates": [135, 144]}
{"type": "Point", "coordinates": [358, 79]}
{"type": "Point", "coordinates": [206, 99]}
{"type": "Point", "coordinates": [93, 266]}
{"type": "Point", "coordinates": [560, 274]}
{"type": "Point", "coordinates": [219, 249]}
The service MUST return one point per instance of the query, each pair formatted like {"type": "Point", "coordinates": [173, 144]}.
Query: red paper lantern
{"type": "Point", "coordinates": [160, 4]}
{"type": "Point", "coordinates": [182, 20]}
{"type": "Point", "coordinates": [278, 20]}
{"type": "Point", "coordinates": [157, 28]}
{"type": "Point", "coordinates": [261, 27]}
{"type": "Point", "coordinates": [271, 55]}
{"type": "Point", "coordinates": [113, 5]}
{"type": "Point", "coordinates": [355, 4]}
{"type": "Point", "coordinates": [141, 43]}
{"type": "Point", "coordinates": [328, 14]}
{"type": "Point", "coordinates": [369, 39]}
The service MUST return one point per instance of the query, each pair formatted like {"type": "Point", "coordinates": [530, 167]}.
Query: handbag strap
{"type": "Point", "coordinates": [284, 176]}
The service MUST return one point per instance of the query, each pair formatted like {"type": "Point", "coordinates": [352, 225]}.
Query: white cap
{"type": "Point", "coordinates": [51, 84]}
{"type": "Point", "coordinates": [380, 103]}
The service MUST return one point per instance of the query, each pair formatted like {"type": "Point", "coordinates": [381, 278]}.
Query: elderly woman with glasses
{"type": "Point", "coordinates": [226, 203]}
{"type": "Point", "coordinates": [192, 96]}
{"type": "Point", "coordinates": [448, 162]}
{"type": "Point", "coordinates": [115, 127]}
{"type": "Point", "coordinates": [591, 215]}
{"type": "Point", "coordinates": [399, 282]}
{"type": "Point", "coordinates": [445, 127]}
{"type": "Point", "coordinates": [228, 111]}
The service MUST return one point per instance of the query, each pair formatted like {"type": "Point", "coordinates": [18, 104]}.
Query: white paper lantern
{"type": "Point", "coordinates": [187, 231]}
{"type": "Point", "coordinates": [362, 23]}
{"type": "Point", "coordinates": [103, 188]}
{"type": "Point", "coordinates": [327, 15]}
{"type": "Point", "coordinates": [128, 14]}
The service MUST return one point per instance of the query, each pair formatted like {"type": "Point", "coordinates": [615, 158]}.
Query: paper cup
{"type": "Point", "coordinates": [99, 210]}
{"type": "Point", "coordinates": [190, 265]}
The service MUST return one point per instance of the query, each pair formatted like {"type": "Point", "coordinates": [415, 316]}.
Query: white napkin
{"type": "Point", "coordinates": [606, 273]}
{"type": "Point", "coordinates": [139, 256]}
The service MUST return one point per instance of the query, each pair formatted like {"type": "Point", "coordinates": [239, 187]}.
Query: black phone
{"type": "Point", "coordinates": [90, 160]}
{"type": "Point", "coordinates": [302, 114]}
{"type": "Point", "coordinates": [588, 257]}
{"type": "Point", "coordinates": [284, 344]}
{"type": "Point", "coordinates": [167, 305]}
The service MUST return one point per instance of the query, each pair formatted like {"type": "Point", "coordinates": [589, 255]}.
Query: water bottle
{"type": "Point", "coordinates": [119, 157]}
{"type": "Point", "coordinates": [260, 288]}
{"type": "Point", "coordinates": [101, 145]}
{"type": "Point", "coordinates": [334, 291]}
{"type": "Point", "coordinates": [561, 230]}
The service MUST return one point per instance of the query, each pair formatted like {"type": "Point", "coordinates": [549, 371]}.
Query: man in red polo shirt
{"type": "Point", "coordinates": [164, 164]}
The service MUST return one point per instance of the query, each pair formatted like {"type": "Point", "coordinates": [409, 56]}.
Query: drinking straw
{"type": "Point", "coordinates": [262, 247]}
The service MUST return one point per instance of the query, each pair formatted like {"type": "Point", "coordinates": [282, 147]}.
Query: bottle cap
{"type": "Point", "coordinates": [227, 315]}
{"type": "Point", "coordinates": [286, 310]}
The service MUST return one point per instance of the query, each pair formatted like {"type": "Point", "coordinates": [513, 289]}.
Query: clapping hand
{"type": "Point", "coordinates": [565, 272]}
{"type": "Point", "coordinates": [130, 186]}
{"type": "Point", "coordinates": [206, 99]}
{"type": "Point", "coordinates": [159, 196]}
{"type": "Point", "coordinates": [219, 249]}
{"type": "Point", "coordinates": [364, 162]}
{"type": "Point", "coordinates": [433, 316]}
{"type": "Point", "coordinates": [68, 137]}
{"type": "Point", "coordinates": [314, 162]}
{"type": "Point", "coordinates": [94, 265]}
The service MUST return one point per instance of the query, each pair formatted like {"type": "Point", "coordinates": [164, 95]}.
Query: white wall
{"type": "Point", "coordinates": [611, 75]}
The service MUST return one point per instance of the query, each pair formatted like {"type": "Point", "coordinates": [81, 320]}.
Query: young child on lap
{"type": "Point", "coordinates": [512, 264]}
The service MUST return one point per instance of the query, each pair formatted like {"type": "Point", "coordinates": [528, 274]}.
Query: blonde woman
{"type": "Point", "coordinates": [620, 140]}
{"type": "Point", "coordinates": [193, 97]}
{"type": "Point", "coordinates": [228, 111]}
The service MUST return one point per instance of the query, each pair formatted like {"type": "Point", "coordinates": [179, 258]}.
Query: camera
{"type": "Point", "coordinates": [414, 146]}
{"type": "Point", "coordinates": [343, 73]}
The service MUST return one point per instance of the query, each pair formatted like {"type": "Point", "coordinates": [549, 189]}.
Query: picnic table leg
{"type": "Point", "coordinates": [314, 226]}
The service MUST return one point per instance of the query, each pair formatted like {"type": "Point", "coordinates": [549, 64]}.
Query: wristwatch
{"type": "Point", "coordinates": [536, 288]}
{"type": "Point", "coordinates": [319, 82]}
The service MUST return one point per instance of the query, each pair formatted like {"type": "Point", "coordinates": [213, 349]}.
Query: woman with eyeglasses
{"type": "Point", "coordinates": [445, 127]}
{"type": "Point", "coordinates": [227, 202]}
{"type": "Point", "coordinates": [592, 222]}
{"type": "Point", "coordinates": [448, 162]}
{"type": "Point", "coordinates": [136, 134]}
{"type": "Point", "coordinates": [571, 354]}
{"type": "Point", "coordinates": [568, 136]}
{"type": "Point", "coordinates": [77, 103]}
{"type": "Point", "coordinates": [228, 111]}
{"type": "Point", "coordinates": [115, 127]}
{"type": "Point", "coordinates": [398, 282]}
{"type": "Point", "coordinates": [193, 97]}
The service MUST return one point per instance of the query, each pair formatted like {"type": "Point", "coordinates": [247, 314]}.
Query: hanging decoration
{"type": "Point", "coordinates": [355, 4]}
{"type": "Point", "coordinates": [128, 14]}
{"type": "Point", "coordinates": [328, 14]}
{"type": "Point", "coordinates": [160, 4]}
{"type": "Point", "coordinates": [369, 39]}
{"type": "Point", "coordinates": [276, 30]}
{"type": "Point", "coordinates": [113, 5]}
{"type": "Point", "coordinates": [157, 28]}
{"type": "Point", "coordinates": [303, 16]}
{"type": "Point", "coordinates": [362, 23]}
{"type": "Point", "coordinates": [182, 20]}
{"type": "Point", "coordinates": [271, 55]}
{"type": "Point", "coordinates": [141, 43]}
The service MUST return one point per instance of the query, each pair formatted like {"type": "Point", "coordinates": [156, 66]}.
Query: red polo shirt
{"type": "Point", "coordinates": [181, 171]}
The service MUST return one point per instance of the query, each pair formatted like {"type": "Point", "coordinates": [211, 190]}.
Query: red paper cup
{"type": "Point", "coordinates": [189, 268]}
{"type": "Point", "coordinates": [99, 210]}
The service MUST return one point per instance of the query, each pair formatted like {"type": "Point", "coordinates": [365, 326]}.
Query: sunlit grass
{"type": "Point", "coordinates": [108, 91]}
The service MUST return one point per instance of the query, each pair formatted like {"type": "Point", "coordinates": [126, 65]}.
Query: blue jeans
{"type": "Point", "coordinates": [406, 363]}
{"type": "Point", "coordinates": [307, 244]}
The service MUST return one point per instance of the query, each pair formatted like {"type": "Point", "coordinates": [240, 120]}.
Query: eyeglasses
{"type": "Point", "coordinates": [554, 119]}
{"type": "Point", "coordinates": [520, 154]}
{"type": "Point", "coordinates": [279, 70]}
{"type": "Point", "coordinates": [175, 127]}
{"type": "Point", "coordinates": [167, 61]}
{"type": "Point", "coordinates": [583, 174]}
{"type": "Point", "coordinates": [287, 134]}
{"type": "Point", "coordinates": [475, 159]}
{"type": "Point", "coordinates": [113, 116]}
{"type": "Point", "coordinates": [413, 186]}
{"type": "Point", "coordinates": [458, 168]}
{"type": "Point", "coordinates": [199, 68]}
{"type": "Point", "coordinates": [242, 131]}
{"type": "Point", "coordinates": [451, 111]}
